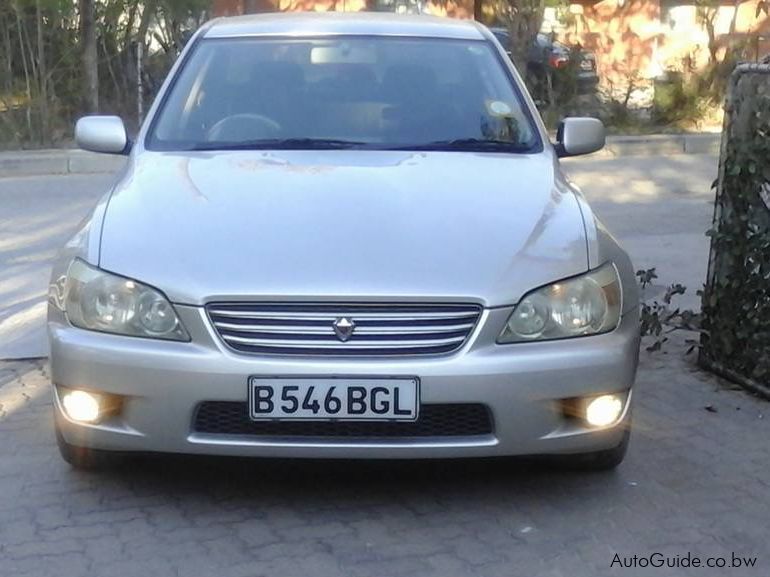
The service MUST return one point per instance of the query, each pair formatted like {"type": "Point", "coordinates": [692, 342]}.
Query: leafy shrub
{"type": "Point", "coordinates": [677, 100]}
{"type": "Point", "coordinates": [660, 317]}
{"type": "Point", "coordinates": [736, 299]}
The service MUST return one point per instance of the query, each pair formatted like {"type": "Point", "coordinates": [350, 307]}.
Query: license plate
{"type": "Point", "coordinates": [343, 399]}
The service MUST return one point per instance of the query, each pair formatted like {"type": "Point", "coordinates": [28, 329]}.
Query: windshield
{"type": "Point", "coordinates": [346, 92]}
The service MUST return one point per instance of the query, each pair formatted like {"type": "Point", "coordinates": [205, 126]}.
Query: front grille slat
{"type": "Point", "coordinates": [328, 330]}
{"type": "Point", "coordinates": [449, 420]}
{"type": "Point", "coordinates": [308, 329]}
{"type": "Point", "coordinates": [336, 344]}
{"type": "Point", "coordinates": [341, 313]}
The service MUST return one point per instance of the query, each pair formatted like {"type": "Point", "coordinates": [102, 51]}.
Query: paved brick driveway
{"type": "Point", "coordinates": [695, 481]}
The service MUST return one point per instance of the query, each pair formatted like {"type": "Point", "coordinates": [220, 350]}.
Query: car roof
{"type": "Point", "coordinates": [301, 24]}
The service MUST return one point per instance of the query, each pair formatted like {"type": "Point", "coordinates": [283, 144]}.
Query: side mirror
{"type": "Point", "coordinates": [102, 134]}
{"type": "Point", "coordinates": [578, 136]}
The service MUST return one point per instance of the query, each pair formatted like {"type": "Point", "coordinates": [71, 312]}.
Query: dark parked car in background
{"type": "Point", "coordinates": [547, 54]}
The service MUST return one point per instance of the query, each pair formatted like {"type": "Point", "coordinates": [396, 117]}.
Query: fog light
{"type": "Point", "coordinates": [81, 406]}
{"type": "Point", "coordinates": [603, 411]}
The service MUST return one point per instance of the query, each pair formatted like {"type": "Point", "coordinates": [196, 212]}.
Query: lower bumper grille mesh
{"type": "Point", "coordinates": [457, 420]}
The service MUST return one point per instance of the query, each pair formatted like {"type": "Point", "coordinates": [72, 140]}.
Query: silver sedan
{"type": "Point", "coordinates": [343, 236]}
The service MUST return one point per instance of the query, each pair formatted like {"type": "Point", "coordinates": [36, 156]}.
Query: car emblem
{"type": "Point", "coordinates": [343, 328]}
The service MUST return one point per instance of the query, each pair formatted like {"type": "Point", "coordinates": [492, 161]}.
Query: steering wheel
{"type": "Point", "coordinates": [245, 126]}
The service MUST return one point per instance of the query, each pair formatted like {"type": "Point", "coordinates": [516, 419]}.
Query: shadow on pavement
{"type": "Point", "coordinates": [278, 478]}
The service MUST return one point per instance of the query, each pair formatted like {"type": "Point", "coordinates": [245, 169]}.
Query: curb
{"type": "Point", "coordinates": [662, 144]}
{"type": "Point", "coordinates": [65, 161]}
{"type": "Point", "coordinates": [69, 161]}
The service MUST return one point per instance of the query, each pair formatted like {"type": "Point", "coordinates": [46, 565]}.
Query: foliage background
{"type": "Point", "coordinates": [60, 59]}
{"type": "Point", "coordinates": [45, 66]}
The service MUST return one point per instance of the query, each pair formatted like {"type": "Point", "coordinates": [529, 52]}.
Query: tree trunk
{"type": "Point", "coordinates": [90, 86]}
{"type": "Point", "coordinates": [526, 18]}
{"type": "Point", "coordinates": [42, 72]}
{"type": "Point", "coordinates": [734, 21]}
{"type": "Point", "coordinates": [144, 23]}
{"type": "Point", "coordinates": [712, 36]}
{"type": "Point", "coordinates": [22, 52]}
{"type": "Point", "coordinates": [8, 49]}
{"type": "Point", "coordinates": [127, 37]}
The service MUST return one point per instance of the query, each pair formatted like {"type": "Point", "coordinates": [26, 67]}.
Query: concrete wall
{"type": "Point", "coordinates": [637, 40]}
{"type": "Point", "coordinates": [623, 35]}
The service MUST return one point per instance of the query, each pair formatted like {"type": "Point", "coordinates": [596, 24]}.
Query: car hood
{"type": "Point", "coordinates": [376, 225]}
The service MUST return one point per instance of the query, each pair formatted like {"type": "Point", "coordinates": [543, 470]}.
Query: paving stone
{"type": "Point", "coordinates": [693, 481]}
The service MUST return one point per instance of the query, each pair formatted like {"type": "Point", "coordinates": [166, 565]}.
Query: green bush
{"type": "Point", "coordinates": [677, 100]}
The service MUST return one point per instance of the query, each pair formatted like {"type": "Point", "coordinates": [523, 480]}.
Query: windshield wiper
{"type": "Point", "coordinates": [469, 144]}
{"type": "Point", "coordinates": [280, 144]}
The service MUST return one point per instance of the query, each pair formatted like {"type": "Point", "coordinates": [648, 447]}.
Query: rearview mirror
{"type": "Point", "coordinates": [578, 136]}
{"type": "Point", "coordinates": [102, 134]}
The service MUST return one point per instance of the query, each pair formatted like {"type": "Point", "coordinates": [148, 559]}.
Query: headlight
{"type": "Point", "coordinates": [100, 301]}
{"type": "Point", "coordinates": [585, 305]}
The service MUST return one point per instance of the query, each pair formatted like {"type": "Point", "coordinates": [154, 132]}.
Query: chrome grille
{"type": "Point", "coordinates": [309, 329]}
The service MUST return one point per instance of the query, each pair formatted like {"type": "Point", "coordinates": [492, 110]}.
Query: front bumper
{"type": "Point", "coordinates": [164, 382]}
